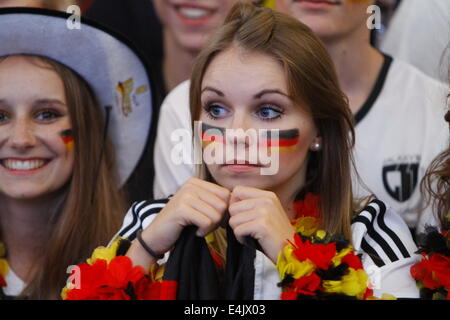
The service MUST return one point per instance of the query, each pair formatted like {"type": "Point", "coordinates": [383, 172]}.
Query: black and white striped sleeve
{"type": "Point", "coordinates": [387, 250]}
{"type": "Point", "coordinates": [139, 216]}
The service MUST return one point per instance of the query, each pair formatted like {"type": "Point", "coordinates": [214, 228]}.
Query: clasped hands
{"type": "Point", "coordinates": [253, 212]}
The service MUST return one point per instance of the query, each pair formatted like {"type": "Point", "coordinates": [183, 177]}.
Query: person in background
{"type": "Point", "coordinates": [432, 272]}
{"type": "Point", "coordinates": [66, 126]}
{"type": "Point", "coordinates": [419, 34]}
{"type": "Point", "coordinates": [170, 34]}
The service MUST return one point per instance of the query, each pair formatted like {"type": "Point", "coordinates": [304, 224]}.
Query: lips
{"type": "Point", "coordinates": [23, 164]}
{"type": "Point", "coordinates": [320, 1]}
{"type": "Point", "coordinates": [193, 12]}
{"type": "Point", "coordinates": [240, 168]}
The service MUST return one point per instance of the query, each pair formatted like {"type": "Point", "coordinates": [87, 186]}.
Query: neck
{"type": "Point", "coordinates": [288, 191]}
{"type": "Point", "coordinates": [357, 66]}
{"type": "Point", "coordinates": [178, 62]}
{"type": "Point", "coordinates": [24, 228]}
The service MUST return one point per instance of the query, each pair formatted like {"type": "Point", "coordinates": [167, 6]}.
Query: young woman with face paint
{"type": "Point", "coordinates": [59, 183]}
{"type": "Point", "coordinates": [266, 73]}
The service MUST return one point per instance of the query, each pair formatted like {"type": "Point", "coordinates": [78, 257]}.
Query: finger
{"type": "Point", "coordinates": [193, 217]}
{"type": "Point", "coordinates": [219, 191]}
{"type": "Point", "coordinates": [240, 193]}
{"type": "Point", "coordinates": [191, 191]}
{"type": "Point", "coordinates": [243, 217]}
{"type": "Point", "coordinates": [242, 205]}
{"type": "Point", "coordinates": [203, 207]}
{"type": "Point", "coordinates": [244, 230]}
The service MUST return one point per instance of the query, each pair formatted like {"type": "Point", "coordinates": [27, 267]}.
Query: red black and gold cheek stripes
{"type": "Point", "coordinates": [67, 138]}
{"type": "Point", "coordinates": [283, 140]}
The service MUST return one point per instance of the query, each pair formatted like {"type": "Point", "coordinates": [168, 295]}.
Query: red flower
{"type": "Point", "coordinates": [290, 294]}
{"type": "Point", "coordinates": [145, 289]}
{"type": "Point", "coordinates": [319, 254]}
{"type": "Point", "coordinates": [308, 285]}
{"type": "Point", "coordinates": [352, 261]}
{"type": "Point", "coordinates": [433, 272]}
{"type": "Point", "coordinates": [368, 294]}
{"type": "Point", "coordinates": [309, 207]}
{"type": "Point", "coordinates": [2, 282]}
{"type": "Point", "coordinates": [101, 281]}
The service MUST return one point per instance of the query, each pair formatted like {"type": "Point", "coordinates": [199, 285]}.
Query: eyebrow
{"type": "Point", "coordinates": [270, 91]}
{"type": "Point", "coordinates": [256, 96]}
{"type": "Point", "coordinates": [39, 102]}
{"type": "Point", "coordinates": [44, 102]}
{"type": "Point", "coordinates": [218, 92]}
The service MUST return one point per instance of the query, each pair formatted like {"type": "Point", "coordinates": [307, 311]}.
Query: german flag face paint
{"type": "Point", "coordinates": [284, 140]}
{"type": "Point", "coordinates": [67, 138]}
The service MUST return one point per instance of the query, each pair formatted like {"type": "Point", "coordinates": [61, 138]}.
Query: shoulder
{"type": "Point", "coordinates": [179, 95]}
{"type": "Point", "coordinates": [382, 234]}
{"type": "Point", "coordinates": [412, 76]}
{"type": "Point", "coordinates": [139, 216]}
{"type": "Point", "coordinates": [175, 112]}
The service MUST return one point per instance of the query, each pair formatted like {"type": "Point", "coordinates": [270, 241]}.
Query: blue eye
{"type": "Point", "coordinates": [216, 111]}
{"type": "Point", "coordinates": [3, 117]}
{"type": "Point", "coordinates": [269, 113]}
{"type": "Point", "coordinates": [47, 115]}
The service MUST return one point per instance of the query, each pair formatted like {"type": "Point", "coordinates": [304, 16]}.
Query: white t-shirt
{"type": "Point", "coordinates": [419, 33]}
{"type": "Point", "coordinates": [379, 235]}
{"type": "Point", "coordinates": [399, 130]}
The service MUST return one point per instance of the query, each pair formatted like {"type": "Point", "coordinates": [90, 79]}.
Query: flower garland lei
{"type": "Point", "coordinates": [432, 273]}
{"type": "Point", "coordinates": [319, 265]}
{"type": "Point", "coordinates": [316, 265]}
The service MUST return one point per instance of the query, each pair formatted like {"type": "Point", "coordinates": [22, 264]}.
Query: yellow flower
{"type": "Point", "coordinates": [384, 296]}
{"type": "Point", "coordinates": [3, 267]}
{"type": "Point", "coordinates": [306, 226]}
{"type": "Point", "coordinates": [341, 254]}
{"type": "Point", "coordinates": [352, 284]}
{"type": "Point", "coordinates": [157, 272]}
{"type": "Point", "coordinates": [105, 253]}
{"type": "Point", "coordinates": [64, 293]}
{"type": "Point", "coordinates": [287, 263]}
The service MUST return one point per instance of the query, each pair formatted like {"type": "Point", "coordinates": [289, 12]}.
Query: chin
{"type": "Point", "coordinates": [253, 182]}
{"type": "Point", "coordinates": [193, 43]}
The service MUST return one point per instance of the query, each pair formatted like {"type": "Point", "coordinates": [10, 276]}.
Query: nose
{"type": "Point", "coordinates": [240, 132]}
{"type": "Point", "coordinates": [21, 135]}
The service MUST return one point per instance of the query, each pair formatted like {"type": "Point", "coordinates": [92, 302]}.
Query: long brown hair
{"type": "Point", "coordinates": [312, 82]}
{"type": "Point", "coordinates": [79, 224]}
{"type": "Point", "coordinates": [436, 184]}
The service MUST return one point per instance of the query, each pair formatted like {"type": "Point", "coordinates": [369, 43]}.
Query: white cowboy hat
{"type": "Point", "coordinates": [108, 62]}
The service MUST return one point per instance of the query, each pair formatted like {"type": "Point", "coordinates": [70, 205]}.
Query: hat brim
{"type": "Point", "coordinates": [115, 70]}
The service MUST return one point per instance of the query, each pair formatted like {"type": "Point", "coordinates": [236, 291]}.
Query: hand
{"type": "Point", "coordinates": [259, 214]}
{"type": "Point", "coordinates": [198, 203]}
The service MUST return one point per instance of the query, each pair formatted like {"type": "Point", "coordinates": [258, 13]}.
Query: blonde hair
{"type": "Point", "coordinates": [312, 82]}
{"type": "Point", "coordinates": [79, 224]}
{"type": "Point", "coordinates": [435, 185]}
